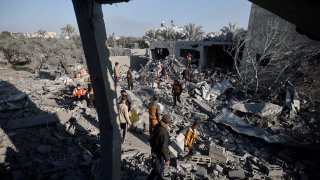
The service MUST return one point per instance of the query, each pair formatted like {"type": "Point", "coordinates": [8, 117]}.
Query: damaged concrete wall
{"type": "Point", "coordinates": [259, 21]}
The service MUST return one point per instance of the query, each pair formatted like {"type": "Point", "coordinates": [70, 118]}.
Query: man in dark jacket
{"type": "Point", "coordinates": [176, 91]}
{"type": "Point", "coordinates": [160, 147]}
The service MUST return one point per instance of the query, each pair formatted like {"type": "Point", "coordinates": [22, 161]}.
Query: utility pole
{"type": "Point", "coordinates": [93, 36]}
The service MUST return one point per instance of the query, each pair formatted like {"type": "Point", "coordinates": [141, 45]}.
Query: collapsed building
{"type": "Point", "coordinates": [211, 53]}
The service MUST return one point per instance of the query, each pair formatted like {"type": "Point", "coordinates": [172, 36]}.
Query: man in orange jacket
{"type": "Point", "coordinates": [79, 93]}
{"type": "Point", "coordinates": [191, 135]}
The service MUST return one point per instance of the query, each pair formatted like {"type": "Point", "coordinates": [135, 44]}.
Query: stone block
{"type": "Point", "coordinates": [220, 159]}
{"type": "Point", "coordinates": [202, 171]}
{"type": "Point", "coordinates": [275, 170]}
{"type": "Point", "coordinates": [236, 174]}
{"type": "Point", "coordinates": [215, 149]}
{"type": "Point", "coordinates": [219, 168]}
{"type": "Point", "coordinates": [40, 120]}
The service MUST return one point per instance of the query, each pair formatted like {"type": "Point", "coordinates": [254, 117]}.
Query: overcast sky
{"type": "Point", "coordinates": [132, 18]}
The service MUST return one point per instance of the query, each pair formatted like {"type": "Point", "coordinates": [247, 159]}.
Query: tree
{"type": "Point", "coordinates": [193, 31]}
{"type": "Point", "coordinates": [277, 53]}
{"type": "Point", "coordinates": [41, 32]}
{"type": "Point", "coordinates": [233, 30]}
{"type": "Point", "coordinates": [6, 34]}
{"type": "Point", "coordinates": [68, 29]}
{"type": "Point", "coordinates": [168, 34]}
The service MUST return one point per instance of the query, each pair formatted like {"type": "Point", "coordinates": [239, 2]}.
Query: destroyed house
{"type": "Point", "coordinates": [204, 53]}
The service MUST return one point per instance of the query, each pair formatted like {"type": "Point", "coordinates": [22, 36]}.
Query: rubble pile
{"type": "Point", "coordinates": [45, 135]}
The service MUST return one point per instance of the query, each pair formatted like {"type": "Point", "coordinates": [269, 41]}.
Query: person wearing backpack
{"type": "Point", "coordinates": [176, 91]}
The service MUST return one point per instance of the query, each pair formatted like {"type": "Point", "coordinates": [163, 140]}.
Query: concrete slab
{"type": "Point", "coordinates": [41, 120]}
{"type": "Point", "coordinates": [236, 174]}
{"type": "Point", "coordinates": [204, 107]}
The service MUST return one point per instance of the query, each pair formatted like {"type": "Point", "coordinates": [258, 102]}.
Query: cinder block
{"type": "Point", "coordinates": [200, 159]}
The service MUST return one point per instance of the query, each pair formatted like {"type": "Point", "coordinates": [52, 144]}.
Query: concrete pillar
{"type": "Point", "coordinates": [93, 36]}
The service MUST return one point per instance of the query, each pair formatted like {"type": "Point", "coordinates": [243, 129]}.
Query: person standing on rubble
{"type": "Point", "coordinates": [160, 148]}
{"type": "Point", "coordinates": [158, 70]}
{"type": "Point", "coordinates": [79, 93]}
{"type": "Point", "coordinates": [154, 113]}
{"type": "Point", "coordinates": [189, 59]}
{"type": "Point", "coordinates": [128, 99]}
{"type": "Point", "coordinates": [130, 78]}
{"type": "Point", "coordinates": [191, 135]}
{"type": "Point", "coordinates": [116, 72]}
{"type": "Point", "coordinates": [186, 74]}
{"type": "Point", "coordinates": [176, 91]}
{"type": "Point", "coordinates": [125, 122]}
{"type": "Point", "coordinates": [90, 96]}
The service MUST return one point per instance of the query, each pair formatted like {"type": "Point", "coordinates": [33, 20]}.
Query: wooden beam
{"type": "Point", "coordinates": [93, 36]}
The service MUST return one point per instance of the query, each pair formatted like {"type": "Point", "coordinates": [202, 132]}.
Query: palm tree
{"type": "Point", "coordinates": [233, 30]}
{"type": "Point", "coordinates": [150, 35]}
{"type": "Point", "coordinates": [68, 29]}
{"type": "Point", "coordinates": [168, 34]}
{"type": "Point", "coordinates": [193, 31]}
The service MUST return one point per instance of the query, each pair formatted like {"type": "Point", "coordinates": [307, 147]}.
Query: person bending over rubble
{"type": "Point", "coordinates": [191, 135]}
{"type": "Point", "coordinates": [176, 91]}
{"type": "Point", "coordinates": [160, 148]}
{"type": "Point", "coordinates": [79, 93]}
{"type": "Point", "coordinates": [154, 113]}
{"type": "Point", "coordinates": [116, 72]}
{"type": "Point", "coordinates": [130, 78]}
{"type": "Point", "coordinates": [125, 122]}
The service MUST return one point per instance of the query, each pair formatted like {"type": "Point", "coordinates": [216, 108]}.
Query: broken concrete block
{"type": "Point", "coordinates": [220, 159]}
{"type": "Point", "coordinates": [200, 116]}
{"type": "Point", "coordinates": [129, 154]}
{"type": "Point", "coordinates": [44, 149]}
{"type": "Point", "coordinates": [236, 174]}
{"type": "Point", "coordinates": [262, 109]}
{"type": "Point", "coordinates": [219, 88]}
{"type": "Point", "coordinates": [41, 120]}
{"type": "Point", "coordinates": [215, 149]}
{"type": "Point", "coordinates": [219, 168]}
{"type": "Point", "coordinates": [204, 107]}
{"type": "Point", "coordinates": [202, 171]}
{"type": "Point", "coordinates": [274, 170]}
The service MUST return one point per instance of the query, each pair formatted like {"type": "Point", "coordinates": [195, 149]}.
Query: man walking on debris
{"type": "Point", "coordinates": [90, 96]}
{"type": "Point", "coordinates": [154, 113]}
{"type": "Point", "coordinates": [130, 78]}
{"type": "Point", "coordinates": [160, 148]}
{"type": "Point", "coordinates": [176, 91]}
{"type": "Point", "coordinates": [116, 71]}
{"type": "Point", "coordinates": [79, 93]}
{"type": "Point", "coordinates": [128, 99]}
{"type": "Point", "coordinates": [125, 122]}
{"type": "Point", "coordinates": [191, 135]}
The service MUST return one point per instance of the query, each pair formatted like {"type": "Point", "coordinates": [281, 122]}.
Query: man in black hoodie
{"type": "Point", "coordinates": [160, 147]}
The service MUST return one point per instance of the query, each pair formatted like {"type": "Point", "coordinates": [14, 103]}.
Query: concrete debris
{"type": "Point", "coordinates": [42, 119]}
{"type": "Point", "coordinates": [236, 174]}
{"type": "Point", "coordinates": [241, 126]}
{"type": "Point", "coordinates": [262, 109]}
